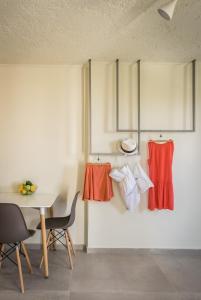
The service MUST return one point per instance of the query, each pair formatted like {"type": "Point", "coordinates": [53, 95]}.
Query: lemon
{"type": "Point", "coordinates": [20, 188]}
{"type": "Point", "coordinates": [24, 192]}
{"type": "Point", "coordinates": [33, 188]}
{"type": "Point", "coordinates": [27, 187]}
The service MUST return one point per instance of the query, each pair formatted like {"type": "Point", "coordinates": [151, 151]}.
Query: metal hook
{"type": "Point", "coordinates": [126, 158]}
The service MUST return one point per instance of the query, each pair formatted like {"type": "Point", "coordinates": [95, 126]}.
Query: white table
{"type": "Point", "coordinates": [40, 201]}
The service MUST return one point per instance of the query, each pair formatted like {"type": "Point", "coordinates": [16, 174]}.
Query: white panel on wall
{"type": "Point", "coordinates": [128, 95]}
{"type": "Point", "coordinates": [166, 96]}
{"type": "Point", "coordinates": [104, 138]}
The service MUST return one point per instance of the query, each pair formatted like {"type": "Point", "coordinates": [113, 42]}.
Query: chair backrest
{"type": "Point", "coordinates": [12, 224]}
{"type": "Point", "coordinates": [72, 213]}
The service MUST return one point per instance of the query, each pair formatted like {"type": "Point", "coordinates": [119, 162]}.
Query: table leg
{"type": "Point", "coordinates": [44, 241]}
{"type": "Point", "coordinates": [53, 240]}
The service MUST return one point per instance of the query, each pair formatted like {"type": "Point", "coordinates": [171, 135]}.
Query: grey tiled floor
{"type": "Point", "coordinates": [107, 277]}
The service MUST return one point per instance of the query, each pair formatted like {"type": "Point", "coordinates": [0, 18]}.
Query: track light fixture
{"type": "Point", "coordinates": [167, 10]}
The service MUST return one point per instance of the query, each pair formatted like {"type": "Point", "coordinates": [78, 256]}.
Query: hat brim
{"type": "Point", "coordinates": [125, 152]}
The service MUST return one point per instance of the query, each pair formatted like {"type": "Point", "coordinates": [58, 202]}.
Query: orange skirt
{"type": "Point", "coordinates": [97, 183]}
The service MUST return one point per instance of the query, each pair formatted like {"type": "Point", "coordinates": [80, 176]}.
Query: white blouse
{"type": "Point", "coordinates": [131, 185]}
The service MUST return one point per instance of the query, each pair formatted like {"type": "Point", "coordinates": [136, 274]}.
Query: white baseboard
{"type": "Point", "coordinates": [58, 246]}
{"type": "Point", "coordinates": [143, 251]}
{"type": "Point", "coordinates": [137, 251]}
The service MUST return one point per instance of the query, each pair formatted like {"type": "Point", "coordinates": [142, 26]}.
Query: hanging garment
{"type": "Point", "coordinates": [128, 187]}
{"type": "Point", "coordinates": [142, 180]}
{"type": "Point", "coordinates": [97, 183]}
{"type": "Point", "coordinates": [161, 196]}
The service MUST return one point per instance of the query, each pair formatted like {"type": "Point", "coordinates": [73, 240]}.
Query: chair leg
{"type": "Point", "coordinates": [20, 269]}
{"type": "Point", "coordinates": [53, 242]}
{"type": "Point", "coordinates": [2, 246]}
{"type": "Point", "coordinates": [48, 241]}
{"type": "Point", "coordinates": [27, 257]}
{"type": "Point", "coordinates": [68, 249]}
{"type": "Point", "coordinates": [71, 242]}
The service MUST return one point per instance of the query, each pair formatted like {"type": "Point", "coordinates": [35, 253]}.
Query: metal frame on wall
{"type": "Point", "coordinates": [118, 129]}
{"type": "Point", "coordinates": [138, 130]}
{"type": "Point", "coordinates": [138, 102]}
{"type": "Point", "coordinates": [90, 114]}
{"type": "Point", "coordinates": [90, 122]}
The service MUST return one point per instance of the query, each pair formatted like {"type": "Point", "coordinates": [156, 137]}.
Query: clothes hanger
{"type": "Point", "coordinates": [98, 161]}
{"type": "Point", "coordinates": [161, 140]}
{"type": "Point", "coordinates": [125, 159]}
{"type": "Point", "coordinates": [127, 162]}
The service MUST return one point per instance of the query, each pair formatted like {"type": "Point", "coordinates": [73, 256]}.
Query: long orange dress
{"type": "Point", "coordinates": [161, 196]}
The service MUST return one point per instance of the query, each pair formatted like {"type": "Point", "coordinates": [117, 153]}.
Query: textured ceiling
{"type": "Point", "coordinates": [71, 31]}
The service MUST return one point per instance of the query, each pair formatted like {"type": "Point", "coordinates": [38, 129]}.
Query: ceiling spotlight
{"type": "Point", "coordinates": [167, 10]}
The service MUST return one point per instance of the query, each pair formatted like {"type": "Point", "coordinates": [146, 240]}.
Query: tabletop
{"type": "Point", "coordinates": [35, 200]}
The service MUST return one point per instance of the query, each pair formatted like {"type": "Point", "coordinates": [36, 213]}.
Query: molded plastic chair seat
{"type": "Point", "coordinates": [56, 223]}
{"type": "Point", "coordinates": [58, 228]}
{"type": "Point", "coordinates": [13, 231]}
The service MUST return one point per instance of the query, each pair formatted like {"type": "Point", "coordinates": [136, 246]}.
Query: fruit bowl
{"type": "Point", "coordinates": [27, 188]}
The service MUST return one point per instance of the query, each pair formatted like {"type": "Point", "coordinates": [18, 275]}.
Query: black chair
{"type": "Point", "coordinates": [13, 231]}
{"type": "Point", "coordinates": [58, 228]}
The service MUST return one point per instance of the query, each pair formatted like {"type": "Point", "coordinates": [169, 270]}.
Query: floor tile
{"type": "Point", "coordinates": [110, 272]}
{"type": "Point", "coordinates": [59, 279]}
{"type": "Point", "coordinates": [106, 277]}
{"type": "Point", "coordinates": [32, 296]}
{"type": "Point", "coordinates": [133, 296]}
{"type": "Point", "coordinates": [183, 271]}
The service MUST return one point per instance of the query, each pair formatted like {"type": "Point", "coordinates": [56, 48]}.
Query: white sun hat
{"type": "Point", "coordinates": [128, 146]}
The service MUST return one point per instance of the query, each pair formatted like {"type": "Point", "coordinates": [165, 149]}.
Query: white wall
{"type": "Point", "coordinates": [41, 138]}
{"type": "Point", "coordinates": [109, 224]}
{"type": "Point", "coordinates": [41, 133]}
